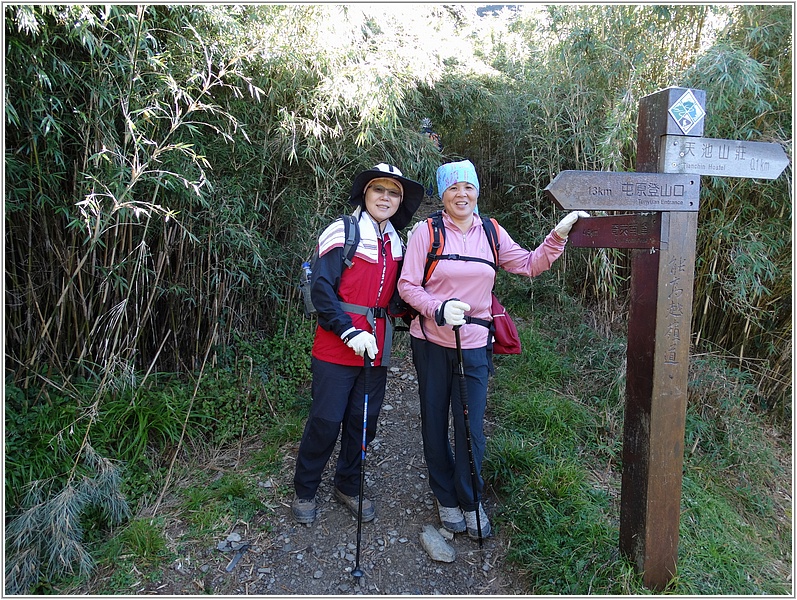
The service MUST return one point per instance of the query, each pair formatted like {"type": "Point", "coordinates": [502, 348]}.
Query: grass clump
{"type": "Point", "coordinates": [554, 461]}
{"type": "Point", "coordinates": [726, 548]}
{"type": "Point", "coordinates": [736, 519]}
{"type": "Point", "coordinates": [217, 505]}
{"type": "Point", "coordinates": [141, 539]}
{"type": "Point", "coordinates": [137, 550]}
{"type": "Point", "coordinates": [541, 462]}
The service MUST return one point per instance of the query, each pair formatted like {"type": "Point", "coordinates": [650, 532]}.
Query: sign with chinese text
{"type": "Point", "coordinates": [726, 158]}
{"type": "Point", "coordinates": [607, 190]}
{"type": "Point", "coordinates": [617, 231]}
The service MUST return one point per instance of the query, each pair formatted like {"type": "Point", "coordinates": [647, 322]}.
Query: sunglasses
{"type": "Point", "coordinates": [392, 193]}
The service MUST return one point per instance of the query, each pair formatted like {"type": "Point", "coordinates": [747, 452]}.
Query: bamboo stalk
{"type": "Point", "coordinates": [185, 425]}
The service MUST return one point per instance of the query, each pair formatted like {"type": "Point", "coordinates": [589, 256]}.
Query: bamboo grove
{"type": "Point", "coordinates": [167, 168]}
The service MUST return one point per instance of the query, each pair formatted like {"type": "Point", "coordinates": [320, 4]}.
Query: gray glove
{"type": "Point", "coordinates": [566, 224]}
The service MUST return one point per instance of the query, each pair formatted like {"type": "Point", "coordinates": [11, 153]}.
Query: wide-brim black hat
{"type": "Point", "coordinates": [411, 200]}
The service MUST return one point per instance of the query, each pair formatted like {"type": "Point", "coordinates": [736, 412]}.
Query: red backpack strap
{"type": "Point", "coordinates": [437, 240]}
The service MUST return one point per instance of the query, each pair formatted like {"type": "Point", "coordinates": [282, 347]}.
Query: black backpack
{"type": "Point", "coordinates": [352, 231]}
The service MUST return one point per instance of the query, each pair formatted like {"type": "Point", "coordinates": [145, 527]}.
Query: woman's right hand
{"type": "Point", "coordinates": [565, 225]}
{"type": "Point", "coordinates": [361, 342]}
{"type": "Point", "coordinates": [452, 312]}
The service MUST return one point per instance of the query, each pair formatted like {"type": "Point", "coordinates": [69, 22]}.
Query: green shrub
{"type": "Point", "coordinates": [267, 381]}
{"type": "Point", "coordinates": [45, 538]}
{"type": "Point", "coordinates": [39, 444]}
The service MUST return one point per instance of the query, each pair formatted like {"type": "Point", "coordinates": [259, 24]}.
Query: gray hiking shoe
{"type": "Point", "coordinates": [451, 518]}
{"type": "Point", "coordinates": [473, 530]}
{"type": "Point", "coordinates": [303, 509]}
{"type": "Point", "coordinates": [353, 504]}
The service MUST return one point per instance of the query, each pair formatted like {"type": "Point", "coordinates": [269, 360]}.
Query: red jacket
{"type": "Point", "coordinates": [370, 282]}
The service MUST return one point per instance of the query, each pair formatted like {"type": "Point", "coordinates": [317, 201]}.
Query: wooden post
{"type": "Point", "coordinates": [659, 332]}
{"type": "Point", "coordinates": [662, 244]}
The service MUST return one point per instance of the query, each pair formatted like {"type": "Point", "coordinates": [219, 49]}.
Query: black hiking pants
{"type": "Point", "coordinates": [439, 391]}
{"type": "Point", "coordinates": [338, 393]}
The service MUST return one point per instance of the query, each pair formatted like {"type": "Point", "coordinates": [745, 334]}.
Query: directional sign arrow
{"type": "Point", "coordinates": [723, 158]}
{"type": "Point", "coordinates": [607, 190]}
{"type": "Point", "coordinates": [617, 231]}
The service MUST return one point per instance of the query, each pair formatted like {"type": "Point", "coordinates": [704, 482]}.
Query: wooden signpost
{"type": "Point", "coordinates": [661, 234]}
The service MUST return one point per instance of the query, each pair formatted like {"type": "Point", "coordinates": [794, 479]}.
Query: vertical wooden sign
{"type": "Point", "coordinates": [661, 235]}
{"type": "Point", "coordinates": [659, 333]}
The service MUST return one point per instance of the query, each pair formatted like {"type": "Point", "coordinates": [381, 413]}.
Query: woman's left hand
{"type": "Point", "coordinates": [566, 224]}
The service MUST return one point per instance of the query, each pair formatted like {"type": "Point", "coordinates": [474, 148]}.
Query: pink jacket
{"type": "Point", "coordinates": [469, 281]}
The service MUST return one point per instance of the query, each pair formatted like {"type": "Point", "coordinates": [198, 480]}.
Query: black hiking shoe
{"type": "Point", "coordinates": [303, 509]}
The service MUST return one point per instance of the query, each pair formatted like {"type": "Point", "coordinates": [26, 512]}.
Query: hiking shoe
{"type": "Point", "coordinates": [452, 518]}
{"type": "Point", "coordinates": [303, 509]}
{"type": "Point", "coordinates": [353, 504]}
{"type": "Point", "coordinates": [473, 531]}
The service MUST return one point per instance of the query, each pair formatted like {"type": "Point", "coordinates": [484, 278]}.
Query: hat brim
{"type": "Point", "coordinates": [413, 195]}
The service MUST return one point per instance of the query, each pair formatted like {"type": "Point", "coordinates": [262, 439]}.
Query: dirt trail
{"type": "Point", "coordinates": [317, 559]}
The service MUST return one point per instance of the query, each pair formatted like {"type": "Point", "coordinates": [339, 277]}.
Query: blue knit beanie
{"type": "Point", "coordinates": [451, 173]}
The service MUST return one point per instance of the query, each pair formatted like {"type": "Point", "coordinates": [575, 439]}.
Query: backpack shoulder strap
{"type": "Point", "coordinates": [437, 241]}
{"type": "Point", "coordinates": [352, 230]}
{"type": "Point", "coordinates": [491, 230]}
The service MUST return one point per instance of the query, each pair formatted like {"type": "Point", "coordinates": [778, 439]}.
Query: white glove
{"type": "Point", "coordinates": [452, 312]}
{"type": "Point", "coordinates": [414, 227]}
{"type": "Point", "coordinates": [361, 341]}
{"type": "Point", "coordinates": [566, 224]}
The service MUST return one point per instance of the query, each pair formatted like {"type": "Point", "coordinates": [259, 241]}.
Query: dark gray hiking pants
{"type": "Point", "coordinates": [439, 391]}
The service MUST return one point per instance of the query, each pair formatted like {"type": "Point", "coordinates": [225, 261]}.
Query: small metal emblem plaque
{"type": "Point", "coordinates": [687, 112]}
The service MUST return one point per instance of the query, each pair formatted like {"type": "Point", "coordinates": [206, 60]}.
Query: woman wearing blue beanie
{"type": "Point", "coordinates": [454, 289]}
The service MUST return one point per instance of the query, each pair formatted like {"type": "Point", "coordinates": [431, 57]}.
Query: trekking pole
{"type": "Point", "coordinates": [357, 573]}
{"type": "Point", "coordinates": [463, 394]}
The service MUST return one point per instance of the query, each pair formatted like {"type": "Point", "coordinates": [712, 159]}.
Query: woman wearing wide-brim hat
{"type": "Point", "coordinates": [352, 304]}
